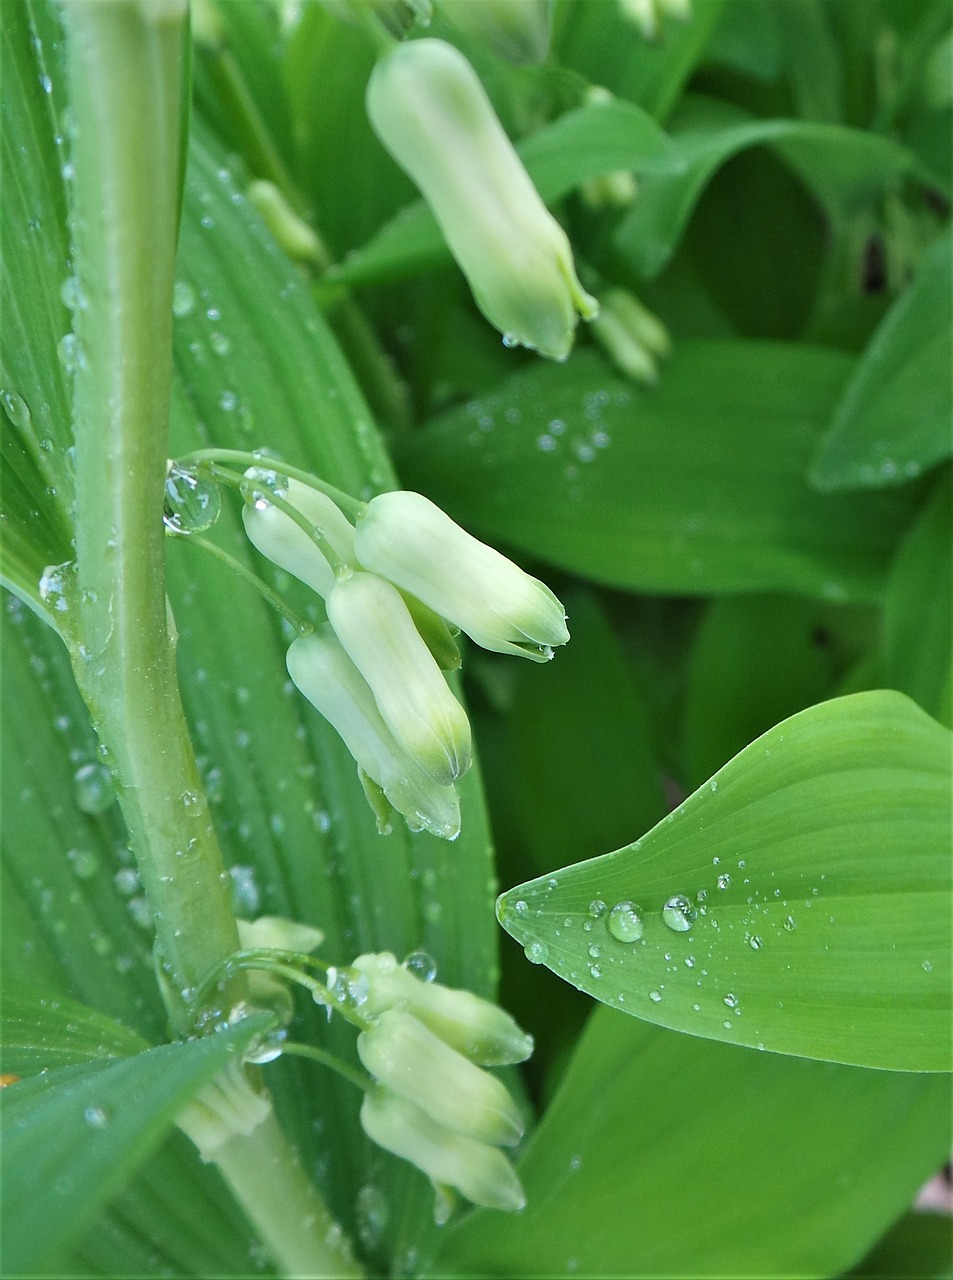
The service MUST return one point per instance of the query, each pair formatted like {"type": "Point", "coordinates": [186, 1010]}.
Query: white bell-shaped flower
{"type": "Point", "coordinates": [429, 109]}
{"type": "Point", "coordinates": [373, 624]}
{"type": "Point", "coordinates": [286, 544]}
{"type": "Point", "coordinates": [327, 677]}
{"type": "Point", "coordinates": [407, 539]}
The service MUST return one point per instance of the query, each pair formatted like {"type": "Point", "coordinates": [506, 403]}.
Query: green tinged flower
{"type": "Point", "coordinates": [407, 539]}
{"type": "Point", "coordinates": [286, 544]}
{"type": "Point", "coordinates": [477, 1170]}
{"type": "Point", "coordinates": [323, 672]}
{"type": "Point", "coordinates": [409, 1060]}
{"type": "Point", "coordinates": [373, 624]}
{"type": "Point", "coordinates": [479, 1029]}
{"type": "Point", "coordinates": [429, 109]}
{"type": "Point", "coordinates": [631, 335]}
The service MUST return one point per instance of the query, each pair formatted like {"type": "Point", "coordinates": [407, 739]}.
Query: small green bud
{"type": "Point", "coordinates": [477, 1028]}
{"type": "Point", "coordinates": [327, 677]}
{"type": "Point", "coordinates": [407, 539]}
{"type": "Point", "coordinates": [478, 1171]}
{"type": "Point", "coordinates": [373, 624]}
{"type": "Point", "coordinates": [285, 543]}
{"type": "Point", "coordinates": [291, 232]}
{"type": "Point", "coordinates": [431, 112]}
{"type": "Point", "coordinates": [631, 335]}
{"type": "Point", "coordinates": [278, 934]}
{"type": "Point", "coordinates": [517, 30]}
{"type": "Point", "coordinates": [647, 15]}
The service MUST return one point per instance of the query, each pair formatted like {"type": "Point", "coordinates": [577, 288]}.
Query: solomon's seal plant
{"type": "Point", "coordinates": [302, 444]}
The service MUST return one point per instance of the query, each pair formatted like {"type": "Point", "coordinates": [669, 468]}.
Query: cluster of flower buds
{"type": "Point", "coordinates": [433, 1102]}
{"type": "Point", "coordinates": [429, 109]}
{"type": "Point", "coordinates": [397, 585]}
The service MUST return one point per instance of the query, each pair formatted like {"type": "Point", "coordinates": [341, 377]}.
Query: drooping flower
{"type": "Point", "coordinates": [286, 544]}
{"type": "Point", "coordinates": [477, 1028]}
{"type": "Point", "coordinates": [406, 538]}
{"type": "Point", "coordinates": [429, 109]}
{"type": "Point", "coordinates": [323, 672]}
{"type": "Point", "coordinates": [373, 624]}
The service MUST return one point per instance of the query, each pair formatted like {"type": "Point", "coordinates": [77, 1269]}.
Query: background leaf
{"type": "Point", "coordinates": [75, 1134]}
{"type": "Point", "coordinates": [696, 486]}
{"type": "Point", "coordinates": [41, 1033]}
{"type": "Point", "coordinates": [664, 1155]}
{"type": "Point", "coordinates": [893, 419]}
{"type": "Point", "coordinates": [817, 863]}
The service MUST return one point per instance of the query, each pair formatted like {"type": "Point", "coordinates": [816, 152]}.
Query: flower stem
{"type": "Point", "coordinates": [242, 459]}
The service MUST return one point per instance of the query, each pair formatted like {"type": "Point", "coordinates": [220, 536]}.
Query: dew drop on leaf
{"type": "Point", "coordinates": [624, 923]}
{"type": "Point", "coordinates": [93, 788]}
{"type": "Point", "coordinates": [678, 913]}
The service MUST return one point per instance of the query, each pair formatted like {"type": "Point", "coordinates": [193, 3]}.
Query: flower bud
{"type": "Point", "coordinates": [293, 234]}
{"type": "Point", "coordinates": [324, 673]}
{"type": "Point", "coordinates": [517, 30]}
{"type": "Point", "coordinates": [286, 544]}
{"type": "Point", "coordinates": [278, 934]}
{"type": "Point", "coordinates": [225, 1108]}
{"type": "Point", "coordinates": [479, 1029]}
{"type": "Point", "coordinates": [411, 1061]}
{"type": "Point", "coordinates": [631, 335]}
{"type": "Point", "coordinates": [478, 1171]}
{"type": "Point", "coordinates": [373, 624]}
{"type": "Point", "coordinates": [406, 538]}
{"type": "Point", "coordinates": [429, 109]}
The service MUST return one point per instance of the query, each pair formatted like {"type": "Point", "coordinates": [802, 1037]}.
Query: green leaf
{"type": "Point", "coordinates": [918, 1247]}
{"type": "Point", "coordinates": [42, 1033]}
{"type": "Point", "coordinates": [816, 871]}
{"type": "Point", "coordinates": [664, 1155]}
{"type": "Point", "coordinates": [696, 486]}
{"type": "Point", "coordinates": [893, 419]}
{"type": "Point", "coordinates": [75, 1134]}
{"type": "Point", "coordinates": [585, 143]}
{"type": "Point", "coordinates": [918, 609]}
{"type": "Point", "coordinates": [844, 168]}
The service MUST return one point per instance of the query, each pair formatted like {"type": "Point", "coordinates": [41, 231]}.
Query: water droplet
{"type": "Point", "coordinates": [678, 913]}
{"type": "Point", "coordinates": [536, 952]}
{"type": "Point", "coordinates": [421, 964]}
{"type": "Point", "coordinates": [755, 943]}
{"type": "Point", "coordinates": [193, 802]}
{"type": "Point", "coordinates": [789, 924]}
{"type": "Point", "coordinates": [655, 997]}
{"type": "Point", "coordinates": [724, 880]}
{"type": "Point", "coordinates": [93, 788]}
{"type": "Point", "coordinates": [192, 503]}
{"type": "Point", "coordinates": [126, 881]}
{"type": "Point", "coordinates": [731, 1000]}
{"type": "Point", "coordinates": [57, 584]}
{"type": "Point", "coordinates": [16, 408]}
{"type": "Point", "coordinates": [84, 862]}
{"type": "Point", "coordinates": [266, 1047]}
{"type": "Point", "coordinates": [713, 784]}
{"type": "Point", "coordinates": [141, 912]}
{"type": "Point", "coordinates": [69, 352]}
{"type": "Point", "coordinates": [183, 299]}
{"type": "Point", "coordinates": [220, 344]}
{"type": "Point", "coordinates": [625, 923]}
{"type": "Point", "coordinates": [927, 967]}
{"type": "Point", "coordinates": [246, 896]}
{"type": "Point", "coordinates": [597, 908]}
{"type": "Point", "coordinates": [510, 340]}
{"type": "Point", "coordinates": [372, 1213]}
{"type": "Point", "coordinates": [520, 907]}
{"type": "Point", "coordinates": [594, 952]}
{"type": "Point", "coordinates": [595, 971]}
{"type": "Point", "coordinates": [96, 1117]}
{"type": "Point", "coordinates": [227, 400]}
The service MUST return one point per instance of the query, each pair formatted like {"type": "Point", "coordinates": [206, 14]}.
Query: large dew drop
{"type": "Point", "coordinates": [678, 913]}
{"type": "Point", "coordinates": [624, 922]}
{"type": "Point", "coordinates": [93, 788]}
{"type": "Point", "coordinates": [16, 409]}
{"type": "Point", "coordinates": [192, 503]}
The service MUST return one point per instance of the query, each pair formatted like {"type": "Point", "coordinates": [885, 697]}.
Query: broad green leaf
{"type": "Point", "coordinates": [664, 1155]}
{"type": "Point", "coordinates": [73, 1135]}
{"type": "Point", "coordinates": [917, 1247]}
{"type": "Point", "coordinates": [697, 486]}
{"type": "Point", "coordinates": [42, 1032]}
{"type": "Point", "coordinates": [757, 659]}
{"type": "Point", "coordinates": [815, 874]}
{"type": "Point", "coordinates": [844, 168]}
{"type": "Point", "coordinates": [893, 419]}
{"type": "Point", "coordinates": [918, 609]}
{"type": "Point", "coordinates": [585, 143]}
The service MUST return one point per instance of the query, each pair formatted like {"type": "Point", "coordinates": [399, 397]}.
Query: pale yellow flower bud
{"type": "Point", "coordinates": [478, 1171]}
{"type": "Point", "coordinates": [406, 538]}
{"type": "Point", "coordinates": [373, 624]}
{"type": "Point", "coordinates": [431, 112]}
{"type": "Point", "coordinates": [286, 544]}
{"type": "Point", "coordinates": [477, 1028]}
{"type": "Point", "coordinates": [327, 677]}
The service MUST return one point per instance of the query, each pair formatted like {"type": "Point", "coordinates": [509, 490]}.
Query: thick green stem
{"type": "Point", "coordinates": [125, 63]}
{"type": "Point", "coordinates": [288, 1214]}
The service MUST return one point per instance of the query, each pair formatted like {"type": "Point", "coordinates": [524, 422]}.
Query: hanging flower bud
{"type": "Point", "coordinates": [327, 677]}
{"type": "Point", "coordinates": [631, 335]}
{"type": "Point", "coordinates": [517, 30]}
{"type": "Point", "coordinates": [431, 112]}
{"type": "Point", "coordinates": [371, 620]}
{"type": "Point", "coordinates": [285, 543]}
{"type": "Point", "coordinates": [478, 1171]}
{"type": "Point", "coordinates": [406, 538]}
{"type": "Point", "coordinates": [479, 1029]}
{"type": "Point", "coordinates": [411, 1061]}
